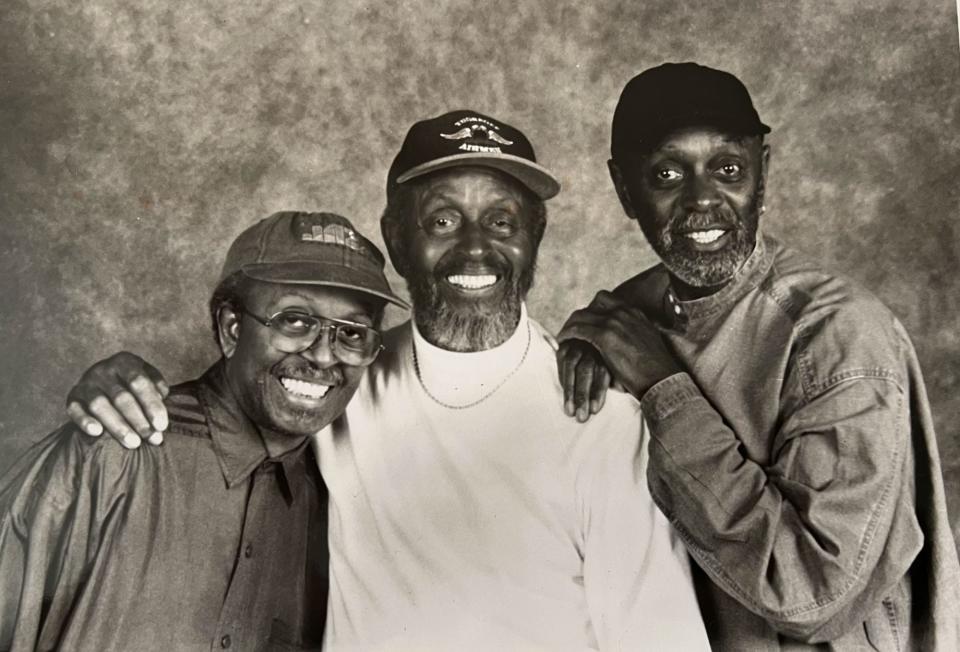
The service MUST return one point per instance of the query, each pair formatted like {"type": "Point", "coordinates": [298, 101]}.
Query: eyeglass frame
{"type": "Point", "coordinates": [327, 324]}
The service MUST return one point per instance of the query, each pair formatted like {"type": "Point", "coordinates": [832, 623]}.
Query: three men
{"type": "Point", "coordinates": [466, 511]}
{"type": "Point", "coordinates": [792, 445]}
{"type": "Point", "coordinates": [218, 539]}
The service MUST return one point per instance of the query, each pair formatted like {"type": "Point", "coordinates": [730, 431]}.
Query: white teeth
{"type": "Point", "coordinates": [472, 281]}
{"type": "Point", "coordinates": [303, 388]}
{"type": "Point", "coordinates": [705, 237]}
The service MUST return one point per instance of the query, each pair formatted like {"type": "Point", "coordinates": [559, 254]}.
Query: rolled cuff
{"type": "Point", "coordinates": [668, 396]}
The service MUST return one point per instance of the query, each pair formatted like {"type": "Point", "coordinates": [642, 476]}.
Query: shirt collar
{"type": "Point", "coordinates": [240, 446]}
{"type": "Point", "coordinates": [749, 276]}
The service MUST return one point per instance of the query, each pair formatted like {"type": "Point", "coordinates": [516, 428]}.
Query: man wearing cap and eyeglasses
{"type": "Point", "coordinates": [467, 512]}
{"type": "Point", "coordinates": [791, 439]}
{"type": "Point", "coordinates": [217, 540]}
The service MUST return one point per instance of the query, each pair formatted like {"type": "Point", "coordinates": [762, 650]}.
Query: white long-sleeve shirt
{"type": "Point", "coordinates": [502, 526]}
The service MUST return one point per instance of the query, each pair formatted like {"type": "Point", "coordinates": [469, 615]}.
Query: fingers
{"type": "Point", "coordinates": [586, 368]}
{"type": "Point", "coordinates": [115, 424]}
{"type": "Point", "coordinates": [154, 376]}
{"type": "Point", "coordinates": [149, 397]}
{"type": "Point", "coordinates": [568, 355]}
{"type": "Point", "coordinates": [85, 422]}
{"type": "Point", "coordinates": [598, 393]}
{"type": "Point", "coordinates": [583, 377]}
{"type": "Point", "coordinates": [124, 396]}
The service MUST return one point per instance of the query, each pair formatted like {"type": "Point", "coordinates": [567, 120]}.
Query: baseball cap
{"type": "Point", "coordinates": [310, 248]}
{"type": "Point", "coordinates": [675, 95]}
{"type": "Point", "coordinates": [467, 137]}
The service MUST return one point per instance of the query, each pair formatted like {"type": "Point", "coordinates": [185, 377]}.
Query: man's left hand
{"type": "Point", "coordinates": [630, 344]}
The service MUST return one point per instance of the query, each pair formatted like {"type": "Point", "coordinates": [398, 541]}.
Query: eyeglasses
{"type": "Point", "coordinates": [295, 331]}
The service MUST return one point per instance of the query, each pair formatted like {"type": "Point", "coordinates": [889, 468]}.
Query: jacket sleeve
{"type": "Point", "coordinates": [808, 541]}
{"type": "Point", "coordinates": [40, 561]}
{"type": "Point", "coordinates": [637, 580]}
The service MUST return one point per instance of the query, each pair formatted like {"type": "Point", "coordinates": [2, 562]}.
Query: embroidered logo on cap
{"type": "Point", "coordinates": [336, 234]}
{"type": "Point", "coordinates": [477, 129]}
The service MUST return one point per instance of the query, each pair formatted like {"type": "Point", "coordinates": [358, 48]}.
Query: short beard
{"type": "Point", "coordinates": [468, 326]}
{"type": "Point", "coordinates": [706, 269]}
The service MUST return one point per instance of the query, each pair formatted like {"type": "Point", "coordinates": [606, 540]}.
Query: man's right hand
{"type": "Point", "coordinates": [122, 395]}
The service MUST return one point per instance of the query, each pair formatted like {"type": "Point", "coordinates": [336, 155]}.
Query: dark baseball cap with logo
{"type": "Point", "coordinates": [676, 95]}
{"type": "Point", "coordinates": [310, 248]}
{"type": "Point", "coordinates": [467, 137]}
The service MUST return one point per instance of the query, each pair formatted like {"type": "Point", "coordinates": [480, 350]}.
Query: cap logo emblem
{"type": "Point", "coordinates": [477, 129]}
{"type": "Point", "coordinates": [336, 234]}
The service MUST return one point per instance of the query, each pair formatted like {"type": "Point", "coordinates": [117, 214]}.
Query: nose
{"type": "Point", "coordinates": [320, 353]}
{"type": "Point", "coordinates": [473, 240]}
{"type": "Point", "coordinates": [702, 195]}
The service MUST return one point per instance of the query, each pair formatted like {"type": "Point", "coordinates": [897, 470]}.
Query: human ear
{"type": "Point", "coordinates": [764, 166]}
{"type": "Point", "coordinates": [623, 193]}
{"type": "Point", "coordinates": [228, 330]}
{"type": "Point", "coordinates": [390, 231]}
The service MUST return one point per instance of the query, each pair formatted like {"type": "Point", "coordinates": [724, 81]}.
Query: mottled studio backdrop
{"type": "Point", "coordinates": [138, 138]}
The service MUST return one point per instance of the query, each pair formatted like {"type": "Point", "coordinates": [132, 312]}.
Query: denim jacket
{"type": "Point", "coordinates": [797, 460]}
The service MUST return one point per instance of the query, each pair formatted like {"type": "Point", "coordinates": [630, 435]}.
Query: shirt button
{"type": "Point", "coordinates": [225, 642]}
{"type": "Point", "coordinates": [248, 551]}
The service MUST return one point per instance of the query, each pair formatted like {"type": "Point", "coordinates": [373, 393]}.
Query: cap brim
{"type": "Point", "coordinates": [313, 273]}
{"type": "Point", "coordinates": [535, 177]}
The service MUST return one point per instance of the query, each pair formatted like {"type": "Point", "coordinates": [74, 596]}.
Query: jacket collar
{"type": "Point", "coordinates": [748, 277]}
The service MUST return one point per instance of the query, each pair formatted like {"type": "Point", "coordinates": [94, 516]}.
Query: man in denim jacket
{"type": "Point", "coordinates": [792, 443]}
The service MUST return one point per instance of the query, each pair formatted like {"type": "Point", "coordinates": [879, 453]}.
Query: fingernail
{"type": "Point", "coordinates": [594, 406]}
{"type": "Point", "coordinates": [160, 423]}
{"type": "Point", "coordinates": [131, 441]}
{"type": "Point", "coordinates": [155, 439]}
{"type": "Point", "coordinates": [568, 408]}
{"type": "Point", "coordinates": [93, 429]}
{"type": "Point", "coordinates": [582, 415]}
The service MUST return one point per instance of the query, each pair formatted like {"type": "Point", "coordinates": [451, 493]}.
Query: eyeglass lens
{"type": "Point", "coordinates": [352, 343]}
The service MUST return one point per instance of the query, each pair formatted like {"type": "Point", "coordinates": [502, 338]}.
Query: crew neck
{"type": "Point", "coordinates": [460, 378]}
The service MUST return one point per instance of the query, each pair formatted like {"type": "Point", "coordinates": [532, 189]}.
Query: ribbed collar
{"type": "Point", "coordinates": [459, 379]}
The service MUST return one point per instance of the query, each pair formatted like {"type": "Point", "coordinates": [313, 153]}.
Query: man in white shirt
{"type": "Point", "coordinates": [466, 510]}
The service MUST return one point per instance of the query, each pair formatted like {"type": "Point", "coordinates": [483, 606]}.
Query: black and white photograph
{"type": "Point", "coordinates": [451, 326]}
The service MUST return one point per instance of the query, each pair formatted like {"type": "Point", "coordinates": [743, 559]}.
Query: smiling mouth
{"type": "Point", "coordinates": [472, 281]}
{"type": "Point", "coordinates": [303, 388]}
{"type": "Point", "coordinates": [706, 236]}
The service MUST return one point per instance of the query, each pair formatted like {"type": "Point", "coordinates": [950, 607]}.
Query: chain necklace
{"type": "Point", "coordinates": [416, 368]}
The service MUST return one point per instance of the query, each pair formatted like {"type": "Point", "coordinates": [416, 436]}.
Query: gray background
{"type": "Point", "coordinates": [137, 139]}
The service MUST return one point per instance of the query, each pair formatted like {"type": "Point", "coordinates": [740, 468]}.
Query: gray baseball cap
{"type": "Point", "coordinates": [310, 248]}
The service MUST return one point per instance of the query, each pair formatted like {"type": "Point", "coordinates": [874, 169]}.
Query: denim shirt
{"type": "Point", "coordinates": [796, 457]}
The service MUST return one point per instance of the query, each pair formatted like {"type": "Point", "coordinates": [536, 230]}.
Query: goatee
{"type": "Point", "coordinates": [467, 326]}
{"type": "Point", "coordinates": [706, 268]}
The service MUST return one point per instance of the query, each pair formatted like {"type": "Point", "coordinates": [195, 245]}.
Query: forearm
{"type": "Point", "coordinates": [797, 538]}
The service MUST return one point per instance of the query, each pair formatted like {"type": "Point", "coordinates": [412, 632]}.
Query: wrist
{"type": "Point", "coordinates": [640, 391]}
